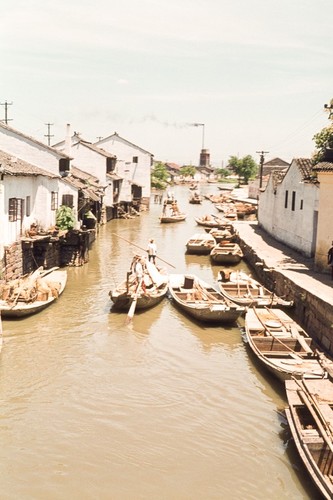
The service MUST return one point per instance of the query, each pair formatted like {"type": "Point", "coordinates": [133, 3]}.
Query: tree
{"type": "Point", "coordinates": [159, 176]}
{"type": "Point", "coordinates": [188, 171]}
{"type": "Point", "coordinates": [222, 172]}
{"type": "Point", "coordinates": [245, 167]}
{"type": "Point", "coordinates": [324, 138]}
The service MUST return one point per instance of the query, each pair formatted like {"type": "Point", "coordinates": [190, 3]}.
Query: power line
{"type": "Point", "coordinates": [48, 135]}
{"type": "Point", "coordinates": [6, 104]}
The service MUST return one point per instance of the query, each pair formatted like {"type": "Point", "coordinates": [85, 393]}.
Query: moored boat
{"type": "Point", "coordinates": [200, 244]}
{"type": "Point", "coordinates": [226, 252]}
{"type": "Point", "coordinates": [310, 419]}
{"type": "Point", "coordinates": [210, 222]}
{"type": "Point", "coordinates": [244, 290]}
{"type": "Point", "coordinates": [282, 346]}
{"type": "Point", "coordinates": [150, 292]}
{"type": "Point", "coordinates": [201, 301]}
{"type": "Point", "coordinates": [31, 293]}
{"type": "Point", "coordinates": [226, 234]}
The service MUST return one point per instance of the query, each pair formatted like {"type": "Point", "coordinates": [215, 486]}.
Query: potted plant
{"type": "Point", "coordinates": [65, 219]}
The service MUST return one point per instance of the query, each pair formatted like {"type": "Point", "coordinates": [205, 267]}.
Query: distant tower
{"type": "Point", "coordinates": [204, 158]}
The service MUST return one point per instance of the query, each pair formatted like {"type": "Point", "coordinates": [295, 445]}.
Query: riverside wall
{"type": "Point", "coordinates": [312, 298]}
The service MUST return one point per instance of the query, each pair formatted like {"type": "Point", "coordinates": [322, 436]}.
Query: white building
{"type": "Point", "coordinates": [133, 165]}
{"type": "Point", "coordinates": [28, 195]}
{"type": "Point", "coordinates": [288, 206]}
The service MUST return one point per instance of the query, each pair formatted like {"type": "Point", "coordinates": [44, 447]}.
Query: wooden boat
{"type": "Point", "coordinates": [228, 209]}
{"type": "Point", "coordinates": [225, 234]}
{"type": "Point", "coordinates": [246, 291]}
{"type": "Point", "coordinates": [154, 289]}
{"type": "Point", "coordinates": [210, 221]}
{"type": "Point", "coordinates": [226, 252]}
{"type": "Point", "coordinates": [31, 293]}
{"type": "Point", "coordinates": [282, 345]}
{"type": "Point", "coordinates": [166, 219]}
{"type": "Point", "coordinates": [200, 244]}
{"type": "Point", "coordinates": [201, 301]}
{"type": "Point", "coordinates": [195, 198]}
{"type": "Point", "coordinates": [310, 418]}
{"type": "Point", "coordinates": [174, 214]}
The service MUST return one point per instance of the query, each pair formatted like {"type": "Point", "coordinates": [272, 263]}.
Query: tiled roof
{"type": "Point", "coordinates": [276, 162]}
{"type": "Point", "coordinates": [12, 165]}
{"type": "Point", "coordinates": [95, 148]}
{"type": "Point", "coordinates": [324, 166]}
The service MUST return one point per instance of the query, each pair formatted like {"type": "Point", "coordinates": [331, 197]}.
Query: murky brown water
{"type": "Point", "coordinates": [163, 409]}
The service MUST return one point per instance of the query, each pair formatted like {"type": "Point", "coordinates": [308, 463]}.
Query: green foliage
{"type": "Point", "coordinates": [323, 140]}
{"type": "Point", "coordinates": [245, 167]}
{"type": "Point", "coordinates": [65, 218]}
{"type": "Point", "coordinates": [159, 176]}
{"type": "Point", "coordinates": [188, 171]}
{"type": "Point", "coordinates": [222, 172]}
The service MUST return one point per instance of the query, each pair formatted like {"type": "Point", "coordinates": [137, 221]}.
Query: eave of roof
{"type": "Point", "coordinates": [12, 165]}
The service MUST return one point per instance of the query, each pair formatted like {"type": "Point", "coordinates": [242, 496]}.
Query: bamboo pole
{"type": "Point", "coordinates": [144, 250]}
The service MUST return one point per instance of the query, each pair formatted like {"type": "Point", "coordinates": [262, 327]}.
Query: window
{"type": "Point", "coordinates": [12, 209]}
{"type": "Point", "coordinates": [68, 200]}
{"type": "Point", "coordinates": [64, 165]}
{"type": "Point", "coordinates": [286, 200]}
{"type": "Point", "coordinates": [27, 206]}
{"type": "Point", "coordinates": [301, 205]}
{"type": "Point", "coordinates": [135, 159]}
{"type": "Point", "coordinates": [54, 200]}
{"type": "Point", "coordinates": [15, 209]}
{"type": "Point", "coordinates": [110, 165]}
{"type": "Point", "coordinates": [293, 201]}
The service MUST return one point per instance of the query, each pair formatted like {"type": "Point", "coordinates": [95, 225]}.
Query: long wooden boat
{"type": "Point", "coordinates": [200, 244]}
{"type": "Point", "coordinates": [201, 301]}
{"type": "Point", "coordinates": [210, 222]}
{"type": "Point", "coordinates": [310, 418]}
{"type": "Point", "coordinates": [226, 234]}
{"type": "Point", "coordinates": [246, 291]}
{"type": "Point", "coordinates": [226, 252]}
{"type": "Point", "coordinates": [32, 293]}
{"type": "Point", "coordinates": [282, 346]}
{"type": "Point", "coordinates": [166, 219]}
{"type": "Point", "coordinates": [154, 289]}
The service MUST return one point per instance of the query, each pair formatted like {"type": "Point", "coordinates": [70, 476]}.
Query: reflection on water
{"type": "Point", "coordinates": [162, 408]}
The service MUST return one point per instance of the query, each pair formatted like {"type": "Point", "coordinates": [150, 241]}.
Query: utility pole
{"type": "Point", "coordinates": [48, 135]}
{"type": "Point", "coordinates": [6, 104]}
{"type": "Point", "coordinates": [262, 161]}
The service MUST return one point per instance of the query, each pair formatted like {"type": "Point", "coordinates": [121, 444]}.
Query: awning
{"type": "Point", "coordinates": [115, 177]}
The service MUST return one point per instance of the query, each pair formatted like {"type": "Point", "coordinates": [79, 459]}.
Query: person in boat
{"type": "Point", "coordinates": [152, 251]}
{"type": "Point", "coordinates": [137, 269]}
{"type": "Point", "coordinates": [174, 208]}
{"type": "Point", "coordinates": [330, 259]}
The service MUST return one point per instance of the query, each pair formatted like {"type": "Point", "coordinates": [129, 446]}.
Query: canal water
{"type": "Point", "coordinates": [163, 408]}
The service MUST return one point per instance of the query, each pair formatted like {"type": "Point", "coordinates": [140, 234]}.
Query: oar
{"type": "Point", "coordinates": [131, 311]}
{"type": "Point", "coordinates": [168, 263]}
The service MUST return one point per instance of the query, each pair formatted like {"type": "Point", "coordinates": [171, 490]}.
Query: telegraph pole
{"type": "Point", "coordinates": [6, 104]}
{"type": "Point", "coordinates": [48, 135]}
{"type": "Point", "coordinates": [262, 161]}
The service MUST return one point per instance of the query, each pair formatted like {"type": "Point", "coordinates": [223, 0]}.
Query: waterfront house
{"type": "Point", "coordinates": [29, 198]}
{"type": "Point", "coordinates": [99, 165]}
{"type": "Point", "coordinates": [133, 166]}
{"type": "Point", "coordinates": [288, 206]}
{"type": "Point", "coordinates": [324, 171]}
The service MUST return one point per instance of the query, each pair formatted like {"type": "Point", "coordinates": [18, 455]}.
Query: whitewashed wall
{"type": "Point", "coordinates": [295, 228]}
{"type": "Point", "coordinates": [131, 172]}
{"type": "Point", "coordinates": [39, 189]}
{"type": "Point", "coordinates": [29, 150]}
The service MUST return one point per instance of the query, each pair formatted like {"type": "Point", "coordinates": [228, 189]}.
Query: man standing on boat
{"type": "Point", "coordinates": [152, 251]}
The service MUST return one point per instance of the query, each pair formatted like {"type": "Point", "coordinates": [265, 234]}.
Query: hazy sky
{"type": "Point", "coordinates": [256, 73]}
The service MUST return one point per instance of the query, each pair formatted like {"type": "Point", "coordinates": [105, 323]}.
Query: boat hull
{"type": "Point", "coordinates": [21, 309]}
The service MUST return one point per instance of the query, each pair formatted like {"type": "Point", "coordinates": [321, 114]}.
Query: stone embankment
{"type": "Point", "coordinates": [292, 276]}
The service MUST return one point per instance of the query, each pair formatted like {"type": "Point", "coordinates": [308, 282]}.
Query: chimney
{"type": "Point", "coordinates": [68, 140]}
